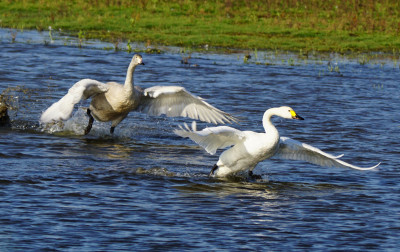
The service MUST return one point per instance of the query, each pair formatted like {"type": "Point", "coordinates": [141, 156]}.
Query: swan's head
{"type": "Point", "coordinates": [288, 113]}
{"type": "Point", "coordinates": [137, 59]}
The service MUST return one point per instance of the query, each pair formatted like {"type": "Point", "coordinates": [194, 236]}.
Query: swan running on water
{"type": "Point", "coordinates": [250, 148]}
{"type": "Point", "coordinates": [112, 102]}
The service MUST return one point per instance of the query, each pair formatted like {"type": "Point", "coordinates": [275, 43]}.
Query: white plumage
{"type": "Point", "coordinates": [250, 148]}
{"type": "Point", "coordinates": [112, 101]}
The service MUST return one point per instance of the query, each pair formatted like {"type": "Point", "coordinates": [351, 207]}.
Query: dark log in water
{"type": "Point", "coordinates": [4, 118]}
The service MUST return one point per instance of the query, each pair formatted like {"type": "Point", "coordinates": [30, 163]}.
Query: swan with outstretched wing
{"type": "Point", "coordinates": [249, 148]}
{"type": "Point", "coordinates": [112, 102]}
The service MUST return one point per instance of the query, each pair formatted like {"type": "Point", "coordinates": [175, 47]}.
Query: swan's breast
{"type": "Point", "coordinates": [120, 99]}
{"type": "Point", "coordinates": [115, 102]}
{"type": "Point", "coordinates": [261, 145]}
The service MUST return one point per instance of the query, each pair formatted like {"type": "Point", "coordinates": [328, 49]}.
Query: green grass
{"type": "Point", "coordinates": [313, 25]}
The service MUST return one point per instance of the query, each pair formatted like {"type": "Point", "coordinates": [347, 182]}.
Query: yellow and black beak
{"type": "Point", "coordinates": [295, 116]}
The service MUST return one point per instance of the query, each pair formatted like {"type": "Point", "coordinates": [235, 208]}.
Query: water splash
{"type": "Point", "coordinates": [75, 125]}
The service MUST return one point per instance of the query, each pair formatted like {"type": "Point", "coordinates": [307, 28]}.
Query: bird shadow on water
{"type": "Point", "coordinates": [239, 184]}
{"type": "Point", "coordinates": [264, 187]}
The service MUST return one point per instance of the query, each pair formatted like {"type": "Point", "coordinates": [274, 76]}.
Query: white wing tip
{"type": "Point", "coordinates": [184, 130]}
{"type": "Point", "coordinates": [373, 167]}
{"type": "Point", "coordinates": [360, 168]}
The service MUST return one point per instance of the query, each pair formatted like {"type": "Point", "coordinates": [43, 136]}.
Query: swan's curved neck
{"type": "Point", "coordinates": [129, 76]}
{"type": "Point", "coordinates": [267, 124]}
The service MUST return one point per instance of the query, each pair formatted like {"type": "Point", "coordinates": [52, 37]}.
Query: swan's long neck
{"type": "Point", "coordinates": [129, 77]}
{"type": "Point", "coordinates": [267, 124]}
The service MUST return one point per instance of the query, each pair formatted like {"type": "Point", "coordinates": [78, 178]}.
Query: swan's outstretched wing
{"type": "Point", "coordinates": [62, 109]}
{"type": "Point", "coordinates": [292, 149]}
{"type": "Point", "coordinates": [212, 138]}
{"type": "Point", "coordinates": [176, 101]}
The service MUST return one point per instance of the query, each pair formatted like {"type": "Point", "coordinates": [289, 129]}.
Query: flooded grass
{"type": "Point", "coordinates": [188, 54]}
{"type": "Point", "coordinates": [327, 26]}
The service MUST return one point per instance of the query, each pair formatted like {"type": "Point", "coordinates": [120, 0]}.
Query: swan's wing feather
{"type": "Point", "coordinates": [176, 101]}
{"type": "Point", "coordinates": [212, 138]}
{"type": "Point", "coordinates": [62, 109]}
{"type": "Point", "coordinates": [295, 150]}
{"type": "Point", "coordinates": [93, 87]}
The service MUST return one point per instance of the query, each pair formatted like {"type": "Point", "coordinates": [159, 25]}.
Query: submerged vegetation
{"type": "Point", "coordinates": [306, 25]}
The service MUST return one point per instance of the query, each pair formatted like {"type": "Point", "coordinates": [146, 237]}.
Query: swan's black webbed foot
{"type": "Point", "coordinates": [112, 130]}
{"type": "Point", "coordinates": [253, 176]}
{"type": "Point", "coordinates": [213, 170]}
{"type": "Point", "coordinates": [91, 120]}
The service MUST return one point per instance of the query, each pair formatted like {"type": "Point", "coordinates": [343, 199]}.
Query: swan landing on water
{"type": "Point", "coordinates": [250, 148]}
{"type": "Point", "coordinates": [113, 102]}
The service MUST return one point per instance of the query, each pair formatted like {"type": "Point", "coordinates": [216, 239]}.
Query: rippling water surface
{"type": "Point", "coordinates": [146, 189]}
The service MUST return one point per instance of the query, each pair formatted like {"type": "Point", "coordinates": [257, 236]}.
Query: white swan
{"type": "Point", "coordinates": [250, 148]}
{"type": "Point", "coordinates": [113, 101]}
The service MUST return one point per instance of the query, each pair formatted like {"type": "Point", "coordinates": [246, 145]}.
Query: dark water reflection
{"type": "Point", "coordinates": [147, 189]}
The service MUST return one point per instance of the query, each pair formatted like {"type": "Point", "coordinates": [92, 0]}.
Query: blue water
{"type": "Point", "coordinates": [147, 189]}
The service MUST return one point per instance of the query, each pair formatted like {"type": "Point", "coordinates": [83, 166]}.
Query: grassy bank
{"type": "Point", "coordinates": [330, 25]}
